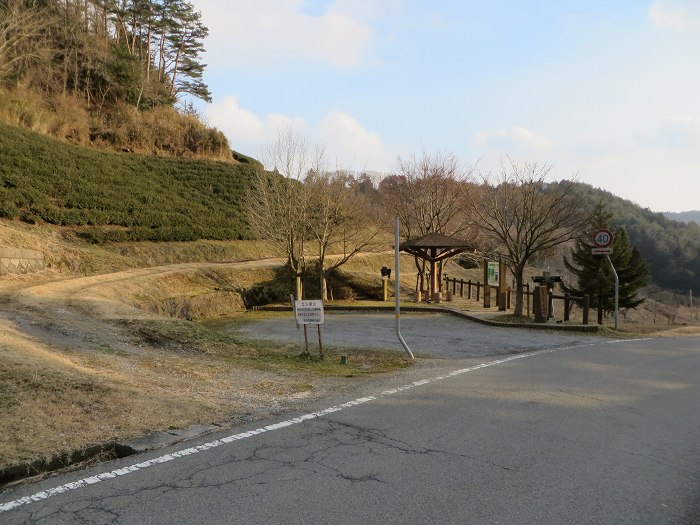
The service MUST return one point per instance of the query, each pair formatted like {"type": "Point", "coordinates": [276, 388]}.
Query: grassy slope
{"type": "Point", "coordinates": [111, 196]}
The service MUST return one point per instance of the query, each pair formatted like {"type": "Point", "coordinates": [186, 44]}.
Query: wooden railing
{"type": "Point", "coordinates": [473, 289]}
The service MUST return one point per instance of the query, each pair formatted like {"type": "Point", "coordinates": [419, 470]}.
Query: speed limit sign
{"type": "Point", "coordinates": [602, 238]}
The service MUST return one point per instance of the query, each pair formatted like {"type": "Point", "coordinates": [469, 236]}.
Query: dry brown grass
{"type": "Point", "coordinates": [89, 359]}
{"type": "Point", "coordinates": [159, 131]}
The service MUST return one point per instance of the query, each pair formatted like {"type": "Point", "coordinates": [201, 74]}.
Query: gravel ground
{"type": "Point", "coordinates": [429, 334]}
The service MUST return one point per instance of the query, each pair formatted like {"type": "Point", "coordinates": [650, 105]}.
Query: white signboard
{"type": "Point", "coordinates": [309, 312]}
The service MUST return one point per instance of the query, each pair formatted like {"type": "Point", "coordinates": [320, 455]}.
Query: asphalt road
{"type": "Point", "coordinates": [428, 334]}
{"type": "Point", "coordinates": [597, 433]}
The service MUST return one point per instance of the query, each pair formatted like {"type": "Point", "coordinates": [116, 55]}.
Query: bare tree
{"type": "Point", "coordinates": [337, 213]}
{"type": "Point", "coordinates": [302, 201]}
{"type": "Point", "coordinates": [430, 194]}
{"type": "Point", "coordinates": [22, 35]}
{"type": "Point", "coordinates": [523, 215]}
{"type": "Point", "coordinates": [278, 204]}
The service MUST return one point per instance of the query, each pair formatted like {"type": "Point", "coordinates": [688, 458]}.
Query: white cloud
{"type": "Point", "coordinates": [347, 142]}
{"type": "Point", "coordinates": [354, 147]}
{"type": "Point", "coordinates": [675, 14]}
{"type": "Point", "coordinates": [273, 32]}
{"type": "Point", "coordinates": [516, 141]}
{"type": "Point", "coordinates": [246, 131]}
{"type": "Point", "coordinates": [678, 133]}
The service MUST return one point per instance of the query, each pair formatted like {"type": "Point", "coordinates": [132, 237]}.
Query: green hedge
{"type": "Point", "coordinates": [119, 197]}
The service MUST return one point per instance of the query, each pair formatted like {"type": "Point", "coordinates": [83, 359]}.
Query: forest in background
{"type": "Point", "coordinates": [107, 73]}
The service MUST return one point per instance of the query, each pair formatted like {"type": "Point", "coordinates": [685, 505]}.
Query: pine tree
{"type": "Point", "coordinates": [593, 273]}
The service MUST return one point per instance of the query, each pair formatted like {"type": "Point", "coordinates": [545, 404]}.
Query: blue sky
{"type": "Point", "coordinates": [605, 91]}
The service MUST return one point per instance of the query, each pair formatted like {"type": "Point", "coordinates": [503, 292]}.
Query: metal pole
{"type": "Point", "coordinates": [397, 290]}
{"type": "Point", "coordinates": [294, 309]}
{"type": "Point", "coordinates": [617, 291]}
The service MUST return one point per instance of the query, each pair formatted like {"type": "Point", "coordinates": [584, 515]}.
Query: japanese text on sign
{"type": "Point", "coordinates": [309, 312]}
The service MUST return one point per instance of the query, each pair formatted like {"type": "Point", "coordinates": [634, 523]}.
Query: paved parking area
{"type": "Point", "coordinates": [433, 334]}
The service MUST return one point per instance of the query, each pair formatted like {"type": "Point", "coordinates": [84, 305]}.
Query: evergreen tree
{"type": "Point", "coordinates": [593, 272]}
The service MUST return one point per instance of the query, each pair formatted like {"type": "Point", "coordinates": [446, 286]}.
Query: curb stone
{"type": "Point", "coordinates": [589, 328]}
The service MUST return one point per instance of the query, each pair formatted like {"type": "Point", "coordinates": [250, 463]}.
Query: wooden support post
{"type": "Point", "coordinates": [469, 289]}
{"type": "Point", "coordinates": [567, 306]}
{"type": "Point", "coordinates": [586, 307]}
{"type": "Point", "coordinates": [461, 287]}
{"type": "Point", "coordinates": [478, 290]}
{"type": "Point", "coordinates": [487, 288]}
{"type": "Point", "coordinates": [527, 296]}
{"type": "Point", "coordinates": [502, 286]}
{"type": "Point", "coordinates": [320, 342]}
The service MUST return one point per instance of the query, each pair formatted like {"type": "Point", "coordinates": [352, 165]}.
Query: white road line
{"type": "Point", "coordinates": [4, 507]}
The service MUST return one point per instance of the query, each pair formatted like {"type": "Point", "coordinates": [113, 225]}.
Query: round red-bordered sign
{"type": "Point", "coordinates": [602, 238]}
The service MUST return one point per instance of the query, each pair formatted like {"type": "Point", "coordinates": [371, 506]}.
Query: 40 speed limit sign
{"type": "Point", "coordinates": [602, 238]}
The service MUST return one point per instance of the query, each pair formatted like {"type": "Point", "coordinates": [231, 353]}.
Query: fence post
{"type": "Point", "coordinates": [586, 306]}
{"type": "Point", "coordinates": [469, 289]}
{"type": "Point", "coordinates": [487, 289]}
{"type": "Point", "coordinates": [567, 306]}
{"type": "Point", "coordinates": [461, 287]}
{"type": "Point", "coordinates": [478, 290]}
{"type": "Point", "coordinates": [527, 295]}
{"type": "Point", "coordinates": [510, 291]}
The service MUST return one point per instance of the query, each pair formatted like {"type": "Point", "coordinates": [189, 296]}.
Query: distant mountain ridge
{"type": "Point", "coordinates": [683, 216]}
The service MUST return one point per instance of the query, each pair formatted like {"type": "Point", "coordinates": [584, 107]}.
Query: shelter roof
{"type": "Point", "coordinates": [436, 240]}
{"type": "Point", "coordinates": [435, 246]}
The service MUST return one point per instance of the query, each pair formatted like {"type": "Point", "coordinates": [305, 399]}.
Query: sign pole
{"type": "Point", "coordinates": [617, 290]}
{"type": "Point", "coordinates": [397, 290]}
{"type": "Point", "coordinates": [294, 309]}
{"type": "Point", "coordinates": [310, 312]}
{"type": "Point", "coordinates": [320, 343]}
{"type": "Point", "coordinates": [603, 240]}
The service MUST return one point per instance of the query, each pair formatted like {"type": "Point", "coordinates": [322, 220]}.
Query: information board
{"type": "Point", "coordinates": [493, 272]}
{"type": "Point", "coordinates": [309, 312]}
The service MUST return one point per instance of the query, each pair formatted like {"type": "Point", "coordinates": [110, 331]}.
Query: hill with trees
{"type": "Point", "coordinates": [670, 248]}
{"type": "Point", "coordinates": [107, 74]}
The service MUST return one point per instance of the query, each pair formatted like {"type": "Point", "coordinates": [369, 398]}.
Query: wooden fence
{"type": "Point", "coordinates": [466, 287]}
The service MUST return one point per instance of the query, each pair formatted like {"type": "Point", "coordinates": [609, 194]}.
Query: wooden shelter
{"type": "Point", "coordinates": [433, 248]}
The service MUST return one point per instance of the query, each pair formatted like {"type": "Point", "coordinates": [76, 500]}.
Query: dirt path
{"type": "Point", "coordinates": [77, 311]}
{"type": "Point", "coordinates": [79, 364]}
